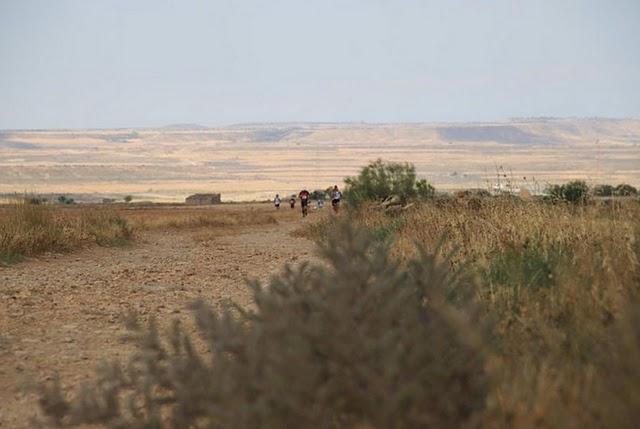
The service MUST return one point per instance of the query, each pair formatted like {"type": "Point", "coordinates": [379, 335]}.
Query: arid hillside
{"type": "Point", "coordinates": [254, 161]}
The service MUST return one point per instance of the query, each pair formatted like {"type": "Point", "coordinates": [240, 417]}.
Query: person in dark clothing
{"type": "Point", "coordinates": [304, 196]}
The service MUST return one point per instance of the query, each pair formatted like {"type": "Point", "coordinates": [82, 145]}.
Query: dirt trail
{"type": "Point", "coordinates": [62, 313]}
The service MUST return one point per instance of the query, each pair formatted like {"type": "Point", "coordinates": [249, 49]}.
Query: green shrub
{"type": "Point", "coordinates": [603, 191]}
{"type": "Point", "coordinates": [66, 200]}
{"type": "Point", "coordinates": [576, 192]}
{"type": "Point", "coordinates": [555, 192]}
{"type": "Point", "coordinates": [380, 180]}
{"type": "Point", "coordinates": [358, 341]}
{"type": "Point", "coordinates": [424, 189]}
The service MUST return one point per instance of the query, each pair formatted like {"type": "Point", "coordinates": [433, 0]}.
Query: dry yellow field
{"type": "Point", "coordinates": [253, 162]}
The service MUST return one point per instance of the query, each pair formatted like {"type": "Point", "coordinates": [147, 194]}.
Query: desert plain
{"type": "Point", "coordinates": [252, 162]}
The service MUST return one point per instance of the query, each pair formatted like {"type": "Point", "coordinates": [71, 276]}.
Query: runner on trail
{"type": "Point", "coordinates": [336, 196]}
{"type": "Point", "coordinates": [276, 201]}
{"type": "Point", "coordinates": [292, 202]}
{"type": "Point", "coordinates": [304, 201]}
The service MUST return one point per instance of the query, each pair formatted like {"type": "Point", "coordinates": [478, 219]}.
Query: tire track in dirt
{"type": "Point", "coordinates": [62, 313]}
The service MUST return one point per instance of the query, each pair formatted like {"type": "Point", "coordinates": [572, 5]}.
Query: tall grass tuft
{"type": "Point", "coordinates": [33, 229]}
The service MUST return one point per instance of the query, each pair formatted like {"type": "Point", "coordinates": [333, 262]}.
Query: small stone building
{"type": "Point", "coordinates": [203, 199]}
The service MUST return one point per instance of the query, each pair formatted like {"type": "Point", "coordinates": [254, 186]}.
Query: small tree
{"type": "Point", "coordinates": [128, 199]}
{"type": "Point", "coordinates": [575, 192]}
{"type": "Point", "coordinates": [380, 180]}
{"type": "Point", "coordinates": [554, 192]}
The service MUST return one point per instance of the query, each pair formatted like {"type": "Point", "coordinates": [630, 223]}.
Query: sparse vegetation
{"type": "Point", "coordinates": [561, 286]}
{"type": "Point", "coordinates": [29, 229]}
{"type": "Point", "coordinates": [156, 219]}
{"type": "Point", "coordinates": [507, 313]}
{"type": "Point", "coordinates": [32, 229]}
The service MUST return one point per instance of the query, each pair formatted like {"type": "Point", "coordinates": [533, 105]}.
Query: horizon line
{"type": "Point", "coordinates": [188, 126]}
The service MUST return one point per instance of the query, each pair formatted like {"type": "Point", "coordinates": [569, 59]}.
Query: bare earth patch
{"type": "Point", "coordinates": [63, 313]}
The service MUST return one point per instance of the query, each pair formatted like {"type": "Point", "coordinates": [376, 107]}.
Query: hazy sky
{"type": "Point", "coordinates": [112, 63]}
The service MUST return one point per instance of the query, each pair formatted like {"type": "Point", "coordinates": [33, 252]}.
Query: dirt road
{"type": "Point", "coordinates": [62, 313]}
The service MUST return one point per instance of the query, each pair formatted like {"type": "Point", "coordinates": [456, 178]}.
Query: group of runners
{"type": "Point", "coordinates": [305, 198]}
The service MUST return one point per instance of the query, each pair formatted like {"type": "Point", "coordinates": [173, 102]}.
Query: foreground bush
{"type": "Point", "coordinates": [380, 180]}
{"type": "Point", "coordinates": [30, 229]}
{"type": "Point", "coordinates": [362, 341]}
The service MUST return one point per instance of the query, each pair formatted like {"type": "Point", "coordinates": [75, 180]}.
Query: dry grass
{"type": "Point", "coordinates": [181, 217]}
{"type": "Point", "coordinates": [561, 284]}
{"type": "Point", "coordinates": [32, 229]}
{"type": "Point", "coordinates": [29, 230]}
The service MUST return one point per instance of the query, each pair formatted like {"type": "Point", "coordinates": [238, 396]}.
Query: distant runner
{"type": "Point", "coordinates": [304, 201]}
{"type": "Point", "coordinates": [276, 201]}
{"type": "Point", "coordinates": [336, 196]}
{"type": "Point", "coordinates": [292, 202]}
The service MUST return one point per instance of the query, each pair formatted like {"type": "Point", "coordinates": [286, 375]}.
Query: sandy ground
{"type": "Point", "coordinates": [63, 313]}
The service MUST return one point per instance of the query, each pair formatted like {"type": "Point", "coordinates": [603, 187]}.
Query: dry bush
{"type": "Point", "coordinates": [32, 229]}
{"type": "Point", "coordinates": [360, 341]}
